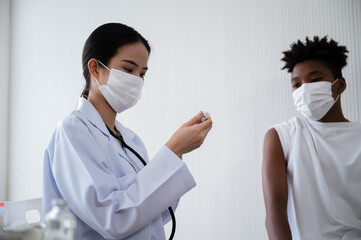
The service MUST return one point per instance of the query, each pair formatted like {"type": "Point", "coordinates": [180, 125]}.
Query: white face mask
{"type": "Point", "coordinates": [314, 100]}
{"type": "Point", "coordinates": [122, 91]}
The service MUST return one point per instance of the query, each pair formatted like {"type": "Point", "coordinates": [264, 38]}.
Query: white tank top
{"type": "Point", "coordinates": [324, 178]}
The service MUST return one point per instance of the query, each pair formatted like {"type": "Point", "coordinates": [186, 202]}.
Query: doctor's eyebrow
{"type": "Point", "coordinates": [133, 63]}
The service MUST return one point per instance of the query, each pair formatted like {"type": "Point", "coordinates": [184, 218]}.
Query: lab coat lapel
{"type": "Point", "coordinates": [85, 107]}
{"type": "Point", "coordinates": [128, 137]}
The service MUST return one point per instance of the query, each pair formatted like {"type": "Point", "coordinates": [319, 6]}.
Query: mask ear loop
{"type": "Point", "coordinates": [103, 66]}
{"type": "Point", "coordinates": [331, 83]}
{"type": "Point", "coordinates": [338, 95]}
{"type": "Point", "coordinates": [97, 81]}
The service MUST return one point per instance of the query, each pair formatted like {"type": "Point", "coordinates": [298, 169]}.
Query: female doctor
{"type": "Point", "coordinates": [100, 167]}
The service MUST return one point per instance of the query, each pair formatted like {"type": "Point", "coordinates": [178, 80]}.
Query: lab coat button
{"type": "Point", "coordinates": [153, 238]}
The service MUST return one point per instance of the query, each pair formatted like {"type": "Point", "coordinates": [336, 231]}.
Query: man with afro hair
{"type": "Point", "coordinates": [311, 173]}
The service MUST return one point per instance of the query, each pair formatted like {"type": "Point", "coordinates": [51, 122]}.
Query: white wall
{"type": "Point", "coordinates": [218, 56]}
{"type": "Point", "coordinates": [4, 89]}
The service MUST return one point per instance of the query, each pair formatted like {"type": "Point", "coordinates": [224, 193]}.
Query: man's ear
{"type": "Point", "coordinates": [93, 67]}
{"type": "Point", "coordinates": [341, 85]}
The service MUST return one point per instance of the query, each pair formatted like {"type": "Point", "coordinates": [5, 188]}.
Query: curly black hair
{"type": "Point", "coordinates": [330, 54]}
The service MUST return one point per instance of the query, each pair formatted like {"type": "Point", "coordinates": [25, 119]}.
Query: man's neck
{"type": "Point", "coordinates": [335, 114]}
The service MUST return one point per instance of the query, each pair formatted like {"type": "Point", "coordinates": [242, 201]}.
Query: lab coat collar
{"type": "Point", "coordinates": [126, 133]}
{"type": "Point", "coordinates": [85, 107]}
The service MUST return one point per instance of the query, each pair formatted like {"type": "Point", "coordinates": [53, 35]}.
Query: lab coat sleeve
{"type": "Point", "coordinates": [166, 215]}
{"type": "Point", "coordinates": [93, 193]}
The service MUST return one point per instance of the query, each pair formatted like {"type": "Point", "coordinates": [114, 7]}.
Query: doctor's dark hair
{"type": "Point", "coordinates": [329, 53]}
{"type": "Point", "coordinates": [103, 43]}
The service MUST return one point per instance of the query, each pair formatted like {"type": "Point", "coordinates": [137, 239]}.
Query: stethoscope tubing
{"type": "Point", "coordinates": [124, 145]}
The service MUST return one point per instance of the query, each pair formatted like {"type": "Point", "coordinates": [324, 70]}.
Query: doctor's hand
{"type": "Point", "coordinates": [190, 135]}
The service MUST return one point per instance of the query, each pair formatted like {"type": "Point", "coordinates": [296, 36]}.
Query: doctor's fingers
{"type": "Point", "coordinates": [206, 125]}
{"type": "Point", "coordinates": [202, 129]}
{"type": "Point", "coordinates": [194, 120]}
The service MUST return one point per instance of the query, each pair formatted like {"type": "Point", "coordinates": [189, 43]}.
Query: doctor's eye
{"type": "Point", "coordinates": [142, 75]}
{"type": "Point", "coordinates": [128, 70]}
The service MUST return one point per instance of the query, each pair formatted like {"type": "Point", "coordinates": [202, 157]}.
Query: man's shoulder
{"type": "Point", "coordinates": [291, 125]}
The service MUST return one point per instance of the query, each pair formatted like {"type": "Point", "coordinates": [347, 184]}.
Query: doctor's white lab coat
{"type": "Point", "coordinates": [108, 189]}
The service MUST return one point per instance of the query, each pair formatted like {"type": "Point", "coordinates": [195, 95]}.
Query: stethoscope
{"type": "Point", "coordinates": [124, 145]}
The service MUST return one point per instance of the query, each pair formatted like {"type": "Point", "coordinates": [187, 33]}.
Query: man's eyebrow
{"type": "Point", "coordinates": [314, 72]}
{"type": "Point", "coordinates": [133, 63]}
{"type": "Point", "coordinates": [310, 74]}
{"type": "Point", "coordinates": [294, 79]}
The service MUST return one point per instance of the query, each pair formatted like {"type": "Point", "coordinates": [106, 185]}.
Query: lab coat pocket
{"type": "Point", "coordinates": [126, 181]}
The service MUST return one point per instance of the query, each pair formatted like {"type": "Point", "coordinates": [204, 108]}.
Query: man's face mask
{"type": "Point", "coordinates": [122, 91]}
{"type": "Point", "coordinates": [314, 100]}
